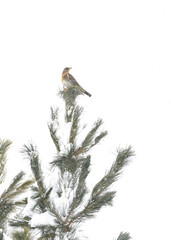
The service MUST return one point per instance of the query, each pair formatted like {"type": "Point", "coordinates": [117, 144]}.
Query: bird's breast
{"type": "Point", "coordinates": [66, 82]}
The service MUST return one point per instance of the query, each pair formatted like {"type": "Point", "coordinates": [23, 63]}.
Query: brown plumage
{"type": "Point", "coordinates": [69, 81]}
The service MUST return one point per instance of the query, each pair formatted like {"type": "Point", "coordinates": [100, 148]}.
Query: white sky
{"type": "Point", "coordinates": [120, 52]}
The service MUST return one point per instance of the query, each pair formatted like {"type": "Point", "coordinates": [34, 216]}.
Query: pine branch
{"type": "Point", "coordinates": [16, 222]}
{"type": "Point", "coordinates": [67, 161]}
{"type": "Point", "coordinates": [54, 114]}
{"type": "Point", "coordinates": [38, 203]}
{"type": "Point", "coordinates": [4, 146]}
{"type": "Point", "coordinates": [53, 129]}
{"type": "Point", "coordinates": [81, 187]}
{"type": "Point", "coordinates": [7, 203]}
{"type": "Point", "coordinates": [69, 96]}
{"type": "Point", "coordinates": [20, 189]}
{"type": "Point", "coordinates": [22, 235]}
{"type": "Point", "coordinates": [16, 187]}
{"type": "Point", "coordinates": [47, 232]}
{"type": "Point", "coordinates": [124, 236]}
{"type": "Point", "coordinates": [75, 124]}
{"type": "Point", "coordinates": [32, 153]}
{"type": "Point", "coordinates": [90, 140]}
{"type": "Point", "coordinates": [14, 183]}
{"type": "Point", "coordinates": [93, 206]}
{"type": "Point", "coordinates": [100, 197]}
{"type": "Point", "coordinates": [39, 200]}
{"type": "Point", "coordinates": [21, 202]}
{"type": "Point", "coordinates": [5, 209]}
{"type": "Point", "coordinates": [54, 137]}
{"type": "Point", "coordinates": [115, 171]}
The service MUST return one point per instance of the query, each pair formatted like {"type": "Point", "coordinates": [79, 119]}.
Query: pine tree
{"type": "Point", "coordinates": [68, 202]}
{"type": "Point", "coordinates": [8, 196]}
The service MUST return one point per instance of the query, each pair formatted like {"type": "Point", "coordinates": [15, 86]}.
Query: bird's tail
{"type": "Point", "coordinates": [84, 91]}
{"type": "Point", "coordinates": [88, 94]}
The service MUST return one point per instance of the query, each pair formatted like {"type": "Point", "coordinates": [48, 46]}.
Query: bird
{"type": "Point", "coordinates": [69, 81]}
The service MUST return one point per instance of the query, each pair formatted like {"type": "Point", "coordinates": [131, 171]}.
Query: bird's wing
{"type": "Point", "coordinates": [72, 80]}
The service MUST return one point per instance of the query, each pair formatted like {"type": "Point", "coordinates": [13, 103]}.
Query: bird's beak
{"type": "Point", "coordinates": [70, 68]}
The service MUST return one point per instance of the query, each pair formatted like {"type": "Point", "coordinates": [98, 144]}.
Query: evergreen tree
{"type": "Point", "coordinates": [58, 208]}
{"type": "Point", "coordinates": [8, 196]}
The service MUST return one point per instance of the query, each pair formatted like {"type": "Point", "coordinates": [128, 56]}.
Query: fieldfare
{"type": "Point", "coordinates": [69, 81]}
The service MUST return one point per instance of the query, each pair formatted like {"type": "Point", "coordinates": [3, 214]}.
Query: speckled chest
{"type": "Point", "coordinates": [66, 80]}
